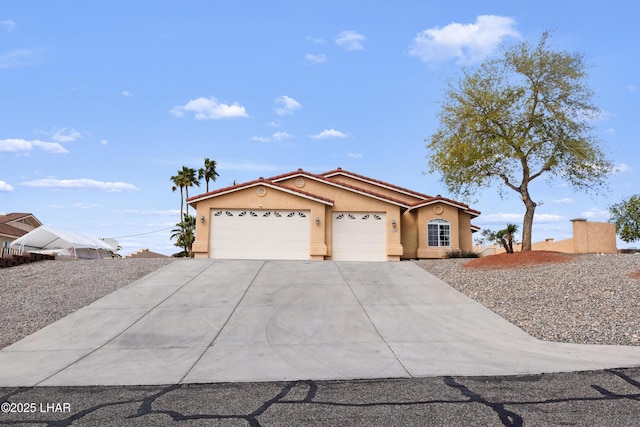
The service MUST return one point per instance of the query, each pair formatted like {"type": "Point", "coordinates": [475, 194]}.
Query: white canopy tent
{"type": "Point", "coordinates": [63, 242]}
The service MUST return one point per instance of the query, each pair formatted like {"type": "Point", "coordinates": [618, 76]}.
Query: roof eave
{"type": "Point", "coordinates": [240, 187]}
{"type": "Point", "coordinates": [343, 186]}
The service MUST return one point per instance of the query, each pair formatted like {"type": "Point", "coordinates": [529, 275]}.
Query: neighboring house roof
{"type": "Point", "coordinates": [9, 224]}
{"type": "Point", "coordinates": [13, 217]}
{"type": "Point", "coordinates": [145, 253]}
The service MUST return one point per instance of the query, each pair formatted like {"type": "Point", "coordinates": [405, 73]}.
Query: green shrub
{"type": "Point", "coordinates": [459, 253]}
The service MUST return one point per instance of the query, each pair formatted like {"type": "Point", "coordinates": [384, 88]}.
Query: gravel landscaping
{"type": "Point", "coordinates": [37, 294]}
{"type": "Point", "coordinates": [592, 299]}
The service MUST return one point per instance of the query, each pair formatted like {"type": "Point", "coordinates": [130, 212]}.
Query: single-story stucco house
{"type": "Point", "coordinates": [337, 215]}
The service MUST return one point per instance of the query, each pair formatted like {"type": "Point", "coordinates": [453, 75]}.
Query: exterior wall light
{"type": "Point", "coordinates": [317, 220]}
{"type": "Point", "coordinates": [393, 223]}
{"type": "Point", "coordinates": [202, 219]}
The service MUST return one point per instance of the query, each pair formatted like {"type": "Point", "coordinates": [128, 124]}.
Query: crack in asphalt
{"type": "Point", "coordinates": [466, 387]}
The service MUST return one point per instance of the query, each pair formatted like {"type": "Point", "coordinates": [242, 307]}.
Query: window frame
{"type": "Point", "coordinates": [443, 233]}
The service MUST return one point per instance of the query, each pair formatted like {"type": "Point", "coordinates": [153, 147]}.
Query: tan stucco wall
{"type": "Point", "coordinates": [443, 211]}
{"type": "Point", "coordinates": [588, 237]}
{"type": "Point", "coordinates": [320, 238]}
{"type": "Point", "coordinates": [594, 237]}
{"type": "Point", "coordinates": [465, 239]}
{"type": "Point", "coordinates": [566, 246]}
{"type": "Point", "coordinates": [249, 199]}
{"type": "Point", "coordinates": [349, 201]}
{"type": "Point", "coordinates": [409, 231]}
{"type": "Point", "coordinates": [407, 239]}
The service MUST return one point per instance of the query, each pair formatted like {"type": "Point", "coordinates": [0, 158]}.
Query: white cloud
{"type": "Point", "coordinates": [126, 94]}
{"type": "Point", "coordinates": [209, 109]}
{"type": "Point", "coordinates": [503, 218]}
{"type": "Point", "coordinates": [354, 155]}
{"type": "Point", "coordinates": [279, 136]}
{"type": "Point", "coordinates": [631, 88]}
{"type": "Point", "coordinates": [319, 58]}
{"type": "Point", "coordinates": [5, 188]}
{"type": "Point", "coordinates": [87, 184]}
{"type": "Point", "coordinates": [596, 214]}
{"type": "Point", "coordinates": [328, 133]}
{"type": "Point", "coordinates": [18, 145]}
{"type": "Point", "coordinates": [621, 168]}
{"type": "Point", "coordinates": [261, 138]}
{"type": "Point", "coordinates": [547, 218]}
{"type": "Point", "coordinates": [8, 24]}
{"type": "Point", "coordinates": [467, 42]}
{"type": "Point", "coordinates": [287, 105]}
{"type": "Point", "coordinates": [16, 58]}
{"type": "Point", "coordinates": [65, 135]}
{"type": "Point", "coordinates": [500, 218]}
{"type": "Point", "coordinates": [317, 40]}
{"type": "Point", "coordinates": [563, 201]}
{"type": "Point", "coordinates": [104, 142]}
{"type": "Point", "coordinates": [350, 40]}
{"type": "Point", "coordinates": [251, 167]}
{"type": "Point", "coordinates": [86, 206]}
{"type": "Point", "coordinates": [167, 212]}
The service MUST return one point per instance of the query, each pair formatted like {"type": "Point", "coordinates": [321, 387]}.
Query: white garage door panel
{"type": "Point", "coordinates": [359, 236]}
{"type": "Point", "coordinates": [259, 234]}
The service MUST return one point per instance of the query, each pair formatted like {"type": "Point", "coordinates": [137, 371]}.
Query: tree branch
{"type": "Point", "coordinates": [505, 178]}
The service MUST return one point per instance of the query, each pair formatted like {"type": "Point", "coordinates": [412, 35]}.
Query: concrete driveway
{"type": "Point", "coordinates": [203, 321]}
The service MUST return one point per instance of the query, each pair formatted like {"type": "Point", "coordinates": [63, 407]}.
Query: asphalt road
{"type": "Point", "coordinates": [595, 398]}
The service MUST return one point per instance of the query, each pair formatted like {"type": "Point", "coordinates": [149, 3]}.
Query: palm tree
{"type": "Point", "coordinates": [189, 180]}
{"type": "Point", "coordinates": [500, 237]}
{"type": "Point", "coordinates": [510, 234]}
{"type": "Point", "coordinates": [208, 172]}
{"type": "Point", "coordinates": [185, 235]}
{"type": "Point", "coordinates": [178, 182]}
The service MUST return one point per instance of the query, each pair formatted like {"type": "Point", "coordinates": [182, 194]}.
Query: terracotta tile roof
{"type": "Point", "coordinates": [439, 198]}
{"type": "Point", "coordinates": [427, 199]}
{"type": "Point", "coordinates": [255, 182]}
{"type": "Point", "coordinates": [375, 181]}
{"type": "Point", "coordinates": [274, 181]}
{"type": "Point", "coordinates": [339, 184]}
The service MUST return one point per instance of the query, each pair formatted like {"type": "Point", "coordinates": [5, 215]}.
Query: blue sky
{"type": "Point", "coordinates": [103, 101]}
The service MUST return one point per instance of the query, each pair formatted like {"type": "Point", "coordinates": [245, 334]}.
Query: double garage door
{"type": "Point", "coordinates": [259, 234]}
{"type": "Point", "coordinates": [284, 234]}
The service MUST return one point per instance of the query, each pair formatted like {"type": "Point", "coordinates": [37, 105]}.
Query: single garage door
{"type": "Point", "coordinates": [359, 236]}
{"type": "Point", "coordinates": [259, 234]}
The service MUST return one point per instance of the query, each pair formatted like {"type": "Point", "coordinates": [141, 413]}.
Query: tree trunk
{"type": "Point", "coordinates": [186, 189]}
{"type": "Point", "coordinates": [181, 205]}
{"type": "Point", "coordinates": [505, 245]}
{"type": "Point", "coordinates": [528, 223]}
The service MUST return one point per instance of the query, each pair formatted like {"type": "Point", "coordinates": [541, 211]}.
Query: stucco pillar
{"type": "Point", "coordinates": [580, 236]}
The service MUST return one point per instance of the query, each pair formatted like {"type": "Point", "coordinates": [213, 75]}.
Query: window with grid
{"type": "Point", "coordinates": [439, 233]}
